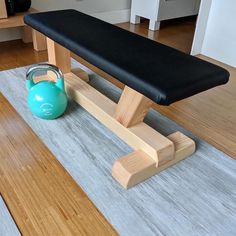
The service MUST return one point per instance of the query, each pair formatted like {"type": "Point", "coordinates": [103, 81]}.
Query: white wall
{"type": "Point", "coordinates": [10, 34]}
{"type": "Point", "coordinates": [89, 6]}
{"type": "Point", "coordinates": [216, 37]}
{"type": "Point", "coordinates": [113, 11]}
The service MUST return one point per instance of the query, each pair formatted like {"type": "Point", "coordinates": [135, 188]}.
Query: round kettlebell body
{"type": "Point", "coordinates": [46, 99]}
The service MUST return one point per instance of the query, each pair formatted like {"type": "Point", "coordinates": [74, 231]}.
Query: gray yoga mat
{"type": "Point", "coordinates": [7, 224]}
{"type": "Point", "coordinates": [195, 197]}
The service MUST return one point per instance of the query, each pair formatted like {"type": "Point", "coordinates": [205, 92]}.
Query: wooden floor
{"type": "Point", "coordinates": [41, 196]}
{"type": "Point", "coordinates": [176, 33]}
{"type": "Point", "coordinates": [16, 54]}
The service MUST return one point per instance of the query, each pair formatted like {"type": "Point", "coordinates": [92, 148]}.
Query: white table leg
{"type": "Point", "coordinates": [154, 25]}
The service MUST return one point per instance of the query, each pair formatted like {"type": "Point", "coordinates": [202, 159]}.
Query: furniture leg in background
{"type": "Point", "coordinates": [147, 9]}
{"type": "Point", "coordinates": [158, 10]}
{"type": "Point", "coordinates": [27, 34]}
{"type": "Point", "coordinates": [39, 40]}
{"type": "Point", "coordinates": [3, 10]}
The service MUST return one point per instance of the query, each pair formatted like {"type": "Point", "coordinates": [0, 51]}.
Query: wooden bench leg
{"type": "Point", "coordinates": [60, 56]}
{"type": "Point", "coordinates": [138, 166]}
{"type": "Point", "coordinates": [27, 34]}
{"type": "Point", "coordinates": [39, 41]}
{"type": "Point", "coordinates": [132, 107]}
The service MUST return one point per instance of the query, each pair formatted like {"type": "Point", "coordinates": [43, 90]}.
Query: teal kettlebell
{"type": "Point", "coordinates": [46, 99]}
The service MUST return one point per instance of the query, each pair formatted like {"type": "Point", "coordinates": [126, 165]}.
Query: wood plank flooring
{"type": "Point", "coordinates": [177, 33]}
{"type": "Point", "coordinates": [16, 54]}
{"type": "Point", "coordinates": [42, 197]}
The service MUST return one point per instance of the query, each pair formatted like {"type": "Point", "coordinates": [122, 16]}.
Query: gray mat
{"type": "Point", "coordinates": [195, 197]}
{"type": "Point", "coordinates": [7, 224]}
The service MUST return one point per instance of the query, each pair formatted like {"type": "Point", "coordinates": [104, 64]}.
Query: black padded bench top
{"type": "Point", "coordinates": [161, 73]}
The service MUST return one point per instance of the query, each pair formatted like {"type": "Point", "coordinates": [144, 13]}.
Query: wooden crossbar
{"type": "Point", "coordinates": [132, 107]}
{"type": "Point", "coordinates": [140, 136]}
{"type": "Point", "coordinates": [153, 151]}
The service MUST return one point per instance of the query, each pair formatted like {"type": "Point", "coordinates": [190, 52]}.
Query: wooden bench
{"type": "Point", "coordinates": [152, 72]}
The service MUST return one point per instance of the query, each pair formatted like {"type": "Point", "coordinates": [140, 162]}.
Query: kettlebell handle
{"type": "Point", "coordinates": [44, 67]}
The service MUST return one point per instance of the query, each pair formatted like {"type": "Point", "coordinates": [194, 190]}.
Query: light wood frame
{"type": "Point", "coordinates": [28, 35]}
{"type": "Point", "coordinates": [153, 152]}
{"type": "Point", "coordinates": [3, 9]}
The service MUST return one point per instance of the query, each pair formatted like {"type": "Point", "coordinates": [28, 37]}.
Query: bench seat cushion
{"type": "Point", "coordinates": [161, 73]}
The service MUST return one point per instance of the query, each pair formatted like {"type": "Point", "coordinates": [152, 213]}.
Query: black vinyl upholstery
{"type": "Point", "coordinates": [161, 73]}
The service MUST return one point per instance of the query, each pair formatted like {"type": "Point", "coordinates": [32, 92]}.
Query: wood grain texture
{"type": "Point", "coordinates": [59, 56]}
{"type": "Point", "coordinates": [27, 34]}
{"type": "Point", "coordinates": [132, 107]}
{"type": "Point", "coordinates": [39, 41]}
{"type": "Point", "coordinates": [15, 21]}
{"type": "Point", "coordinates": [176, 33]}
{"type": "Point", "coordinates": [41, 195]}
{"type": "Point", "coordinates": [81, 74]}
{"type": "Point", "coordinates": [16, 54]}
{"type": "Point", "coordinates": [195, 197]}
{"type": "Point", "coordinates": [138, 166]}
{"type": "Point", "coordinates": [3, 10]}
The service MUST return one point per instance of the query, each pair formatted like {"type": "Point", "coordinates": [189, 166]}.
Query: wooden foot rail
{"type": "Point", "coordinates": [153, 151]}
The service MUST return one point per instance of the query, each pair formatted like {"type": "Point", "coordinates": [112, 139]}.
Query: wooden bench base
{"type": "Point", "coordinates": [153, 151]}
{"type": "Point", "coordinates": [138, 166]}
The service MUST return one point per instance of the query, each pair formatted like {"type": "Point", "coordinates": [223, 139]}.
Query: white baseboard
{"type": "Point", "coordinates": [113, 17]}
{"type": "Point", "coordinates": [10, 34]}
